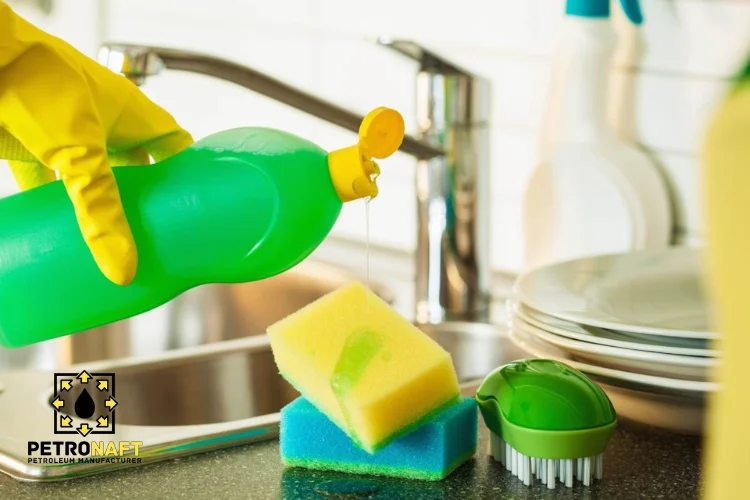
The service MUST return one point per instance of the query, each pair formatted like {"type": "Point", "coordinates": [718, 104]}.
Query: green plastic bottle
{"type": "Point", "coordinates": [238, 206]}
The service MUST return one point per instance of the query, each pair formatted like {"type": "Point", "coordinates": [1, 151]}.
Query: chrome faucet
{"type": "Point", "coordinates": [452, 264]}
{"type": "Point", "coordinates": [452, 271]}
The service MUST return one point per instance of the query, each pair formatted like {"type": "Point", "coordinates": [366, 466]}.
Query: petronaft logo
{"type": "Point", "coordinates": [84, 403]}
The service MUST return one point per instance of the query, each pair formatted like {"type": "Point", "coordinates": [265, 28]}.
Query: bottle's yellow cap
{"type": "Point", "coordinates": [353, 169]}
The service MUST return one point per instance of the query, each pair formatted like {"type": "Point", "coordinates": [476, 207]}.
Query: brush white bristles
{"type": "Point", "coordinates": [583, 469]}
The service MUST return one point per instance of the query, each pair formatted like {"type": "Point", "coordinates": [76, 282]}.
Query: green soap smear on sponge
{"type": "Point", "coordinates": [359, 349]}
{"type": "Point", "coordinates": [547, 420]}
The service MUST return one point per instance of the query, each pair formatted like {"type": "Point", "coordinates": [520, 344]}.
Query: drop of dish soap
{"type": "Point", "coordinates": [85, 406]}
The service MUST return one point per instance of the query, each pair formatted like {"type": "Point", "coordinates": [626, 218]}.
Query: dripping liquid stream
{"type": "Point", "coordinates": [367, 251]}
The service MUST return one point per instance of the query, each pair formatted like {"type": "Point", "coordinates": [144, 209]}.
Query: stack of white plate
{"type": "Point", "coordinates": [637, 323]}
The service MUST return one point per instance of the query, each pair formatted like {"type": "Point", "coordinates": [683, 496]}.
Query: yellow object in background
{"type": "Point", "coordinates": [372, 372]}
{"type": "Point", "coordinates": [727, 192]}
{"type": "Point", "coordinates": [61, 111]}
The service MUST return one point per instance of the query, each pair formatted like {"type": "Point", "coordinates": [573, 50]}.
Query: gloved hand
{"type": "Point", "coordinates": [61, 111]}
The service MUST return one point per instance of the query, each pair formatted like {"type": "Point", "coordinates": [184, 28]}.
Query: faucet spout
{"type": "Point", "coordinates": [138, 62]}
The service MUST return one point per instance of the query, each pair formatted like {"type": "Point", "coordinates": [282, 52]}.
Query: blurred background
{"type": "Point", "coordinates": [667, 77]}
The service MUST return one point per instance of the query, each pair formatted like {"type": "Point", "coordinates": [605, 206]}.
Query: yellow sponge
{"type": "Point", "coordinates": [374, 374]}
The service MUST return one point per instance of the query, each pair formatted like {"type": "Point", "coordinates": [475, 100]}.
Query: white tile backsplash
{"type": "Point", "coordinates": [495, 26]}
{"type": "Point", "coordinates": [513, 157]}
{"type": "Point", "coordinates": [666, 79]}
{"type": "Point", "coordinates": [361, 75]}
{"type": "Point", "coordinates": [506, 237]}
{"type": "Point", "coordinates": [78, 23]}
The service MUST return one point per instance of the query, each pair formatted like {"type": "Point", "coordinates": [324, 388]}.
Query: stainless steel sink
{"type": "Point", "coordinates": [198, 398]}
{"type": "Point", "coordinates": [237, 383]}
{"type": "Point", "coordinates": [243, 382]}
{"type": "Point", "coordinates": [203, 315]}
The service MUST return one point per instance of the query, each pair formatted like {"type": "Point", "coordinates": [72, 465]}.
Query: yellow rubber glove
{"type": "Point", "coordinates": [61, 111]}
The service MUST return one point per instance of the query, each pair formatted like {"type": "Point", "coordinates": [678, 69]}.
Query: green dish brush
{"type": "Point", "coordinates": [546, 420]}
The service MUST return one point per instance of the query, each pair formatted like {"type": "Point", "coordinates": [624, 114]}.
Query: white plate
{"type": "Point", "coordinates": [656, 292]}
{"type": "Point", "coordinates": [650, 363]}
{"type": "Point", "coordinates": [679, 409]}
{"type": "Point", "coordinates": [540, 349]}
{"type": "Point", "coordinates": [596, 335]}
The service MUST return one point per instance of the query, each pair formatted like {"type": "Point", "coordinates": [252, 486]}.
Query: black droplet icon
{"type": "Point", "coordinates": [85, 406]}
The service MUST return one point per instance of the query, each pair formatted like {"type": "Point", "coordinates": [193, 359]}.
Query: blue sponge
{"type": "Point", "coordinates": [431, 451]}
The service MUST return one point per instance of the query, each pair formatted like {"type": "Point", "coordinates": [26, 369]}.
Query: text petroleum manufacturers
{"type": "Point", "coordinates": [67, 452]}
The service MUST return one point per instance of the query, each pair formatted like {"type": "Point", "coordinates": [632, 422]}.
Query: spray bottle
{"type": "Point", "coordinates": [237, 206]}
{"type": "Point", "coordinates": [591, 193]}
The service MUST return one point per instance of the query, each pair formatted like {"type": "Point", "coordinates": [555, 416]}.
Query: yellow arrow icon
{"type": "Point", "coordinates": [110, 403]}
{"type": "Point", "coordinates": [103, 384]}
{"type": "Point", "coordinates": [65, 385]}
{"type": "Point", "coordinates": [84, 429]}
{"type": "Point", "coordinates": [66, 421]}
{"type": "Point", "coordinates": [84, 377]}
{"type": "Point", "coordinates": [58, 403]}
{"type": "Point", "coordinates": [103, 421]}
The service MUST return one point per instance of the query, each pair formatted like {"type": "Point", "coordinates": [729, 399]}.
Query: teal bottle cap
{"type": "Point", "coordinates": [600, 8]}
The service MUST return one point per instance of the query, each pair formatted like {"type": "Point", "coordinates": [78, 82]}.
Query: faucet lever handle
{"type": "Point", "coordinates": [428, 60]}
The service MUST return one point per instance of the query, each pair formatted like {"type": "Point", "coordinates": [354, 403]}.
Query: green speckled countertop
{"type": "Point", "coordinates": [639, 463]}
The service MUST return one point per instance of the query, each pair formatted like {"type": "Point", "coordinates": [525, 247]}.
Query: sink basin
{"type": "Point", "coordinates": [197, 398]}
{"type": "Point", "coordinates": [243, 382]}
{"type": "Point", "coordinates": [203, 315]}
{"type": "Point", "coordinates": [233, 384]}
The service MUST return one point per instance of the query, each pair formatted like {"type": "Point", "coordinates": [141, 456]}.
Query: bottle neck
{"type": "Point", "coordinates": [578, 94]}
